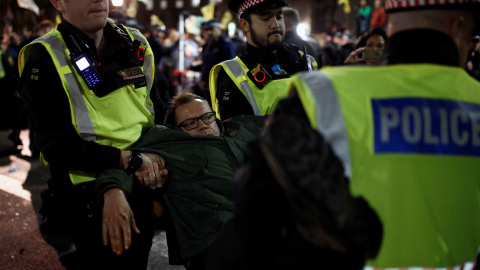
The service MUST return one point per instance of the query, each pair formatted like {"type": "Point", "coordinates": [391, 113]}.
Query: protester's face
{"type": "Point", "coordinates": [267, 29]}
{"type": "Point", "coordinates": [195, 109]}
{"type": "Point", "coordinates": [89, 16]}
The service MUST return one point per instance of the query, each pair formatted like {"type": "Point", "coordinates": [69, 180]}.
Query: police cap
{"type": "Point", "coordinates": [252, 6]}
{"type": "Point", "coordinates": [407, 5]}
{"type": "Point", "coordinates": [210, 24]}
{"type": "Point", "coordinates": [404, 5]}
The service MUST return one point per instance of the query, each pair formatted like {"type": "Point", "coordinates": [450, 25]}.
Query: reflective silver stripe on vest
{"type": "Point", "coordinates": [2, 70]}
{"type": "Point", "coordinates": [237, 71]}
{"type": "Point", "coordinates": [310, 60]}
{"type": "Point", "coordinates": [147, 65]}
{"type": "Point", "coordinates": [85, 125]}
{"type": "Point", "coordinates": [329, 116]}
{"type": "Point", "coordinates": [466, 266]}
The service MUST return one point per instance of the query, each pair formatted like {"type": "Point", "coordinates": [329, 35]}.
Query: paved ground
{"type": "Point", "coordinates": [23, 246]}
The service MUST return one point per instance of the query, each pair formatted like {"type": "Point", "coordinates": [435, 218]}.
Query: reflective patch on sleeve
{"type": "Point", "coordinates": [426, 126]}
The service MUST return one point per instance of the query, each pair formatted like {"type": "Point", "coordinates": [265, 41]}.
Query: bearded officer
{"type": "Point", "coordinates": [254, 81]}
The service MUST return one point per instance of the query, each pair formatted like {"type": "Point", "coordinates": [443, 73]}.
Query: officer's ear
{"type": "Point", "coordinates": [244, 25]}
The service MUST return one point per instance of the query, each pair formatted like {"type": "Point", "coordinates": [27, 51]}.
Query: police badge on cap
{"type": "Point", "coordinates": [251, 6]}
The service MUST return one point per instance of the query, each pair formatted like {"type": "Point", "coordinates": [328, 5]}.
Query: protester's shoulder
{"type": "Point", "coordinates": [244, 127]}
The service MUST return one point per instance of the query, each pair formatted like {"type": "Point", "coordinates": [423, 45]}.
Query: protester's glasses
{"type": "Point", "coordinates": [192, 123]}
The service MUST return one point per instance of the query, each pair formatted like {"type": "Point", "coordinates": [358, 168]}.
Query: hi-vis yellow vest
{"type": "Point", "coordinates": [119, 118]}
{"type": "Point", "coordinates": [263, 101]}
{"type": "Point", "coordinates": [409, 138]}
{"type": "Point", "coordinates": [2, 68]}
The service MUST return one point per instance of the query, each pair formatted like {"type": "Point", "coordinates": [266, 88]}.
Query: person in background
{"type": "Point", "coordinates": [41, 29]}
{"type": "Point", "coordinates": [332, 53]}
{"type": "Point", "coordinates": [11, 106]}
{"type": "Point", "coordinates": [379, 18]}
{"type": "Point", "coordinates": [473, 63]}
{"type": "Point", "coordinates": [364, 16]}
{"type": "Point", "coordinates": [239, 40]}
{"type": "Point", "coordinates": [159, 52]}
{"type": "Point", "coordinates": [90, 93]}
{"type": "Point", "coordinates": [218, 48]}
{"type": "Point", "coordinates": [253, 82]}
{"type": "Point", "coordinates": [372, 41]}
{"type": "Point", "coordinates": [292, 19]}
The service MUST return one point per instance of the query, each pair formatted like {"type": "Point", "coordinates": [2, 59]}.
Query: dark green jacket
{"type": "Point", "coordinates": [199, 191]}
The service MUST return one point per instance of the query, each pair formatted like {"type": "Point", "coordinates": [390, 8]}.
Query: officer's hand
{"type": "Point", "coordinates": [153, 173]}
{"type": "Point", "coordinates": [117, 221]}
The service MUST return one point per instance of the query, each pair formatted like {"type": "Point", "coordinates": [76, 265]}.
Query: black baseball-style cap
{"type": "Point", "coordinates": [252, 6]}
{"type": "Point", "coordinates": [213, 23]}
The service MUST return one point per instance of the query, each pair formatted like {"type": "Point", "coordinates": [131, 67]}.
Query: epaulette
{"type": "Point", "coordinates": [118, 29]}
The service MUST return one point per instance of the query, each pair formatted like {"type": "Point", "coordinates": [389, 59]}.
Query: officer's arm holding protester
{"type": "Point", "coordinates": [90, 94]}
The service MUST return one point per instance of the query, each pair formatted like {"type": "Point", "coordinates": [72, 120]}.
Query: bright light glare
{"type": "Point", "coordinates": [117, 3]}
{"type": "Point", "coordinates": [195, 3]}
{"type": "Point", "coordinates": [302, 29]}
{"type": "Point", "coordinates": [231, 28]}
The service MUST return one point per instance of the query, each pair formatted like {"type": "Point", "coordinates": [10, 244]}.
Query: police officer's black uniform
{"type": "Point", "coordinates": [288, 57]}
{"type": "Point", "coordinates": [49, 116]}
{"type": "Point", "coordinates": [233, 103]}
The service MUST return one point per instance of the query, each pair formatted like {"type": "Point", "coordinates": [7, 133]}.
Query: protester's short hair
{"type": "Point", "coordinates": [291, 17]}
{"type": "Point", "coordinates": [179, 100]}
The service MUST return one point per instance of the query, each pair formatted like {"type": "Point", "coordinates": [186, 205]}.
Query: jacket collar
{"type": "Point", "coordinates": [259, 54]}
{"type": "Point", "coordinates": [114, 38]}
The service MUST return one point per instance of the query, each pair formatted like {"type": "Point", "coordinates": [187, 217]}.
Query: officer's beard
{"type": "Point", "coordinates": [271, 46]}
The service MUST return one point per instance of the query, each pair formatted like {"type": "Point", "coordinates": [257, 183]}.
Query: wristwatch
{"type": "Point", "coordinates": [134, 162]}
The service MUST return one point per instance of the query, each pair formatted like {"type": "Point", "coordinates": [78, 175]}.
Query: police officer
{"type": "Point", "coordinates": [254, 81]}
{"type": "Point", "coordinates": [90, 94]}
{"type": "Point", "coordinates": [406, 133]}
{"type": "Point", "coordinates": [10, 104]}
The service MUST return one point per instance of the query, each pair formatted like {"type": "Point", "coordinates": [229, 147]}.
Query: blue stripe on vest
{"type": "Point", "coordinates": [426, 126]}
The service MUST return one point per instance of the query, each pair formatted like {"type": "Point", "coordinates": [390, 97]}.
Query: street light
{"type": "Point", "coordinates": [117, 3]}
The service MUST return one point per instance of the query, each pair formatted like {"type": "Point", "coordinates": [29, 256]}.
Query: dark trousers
{"type": "Point", "coordinates": [86, 231]}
